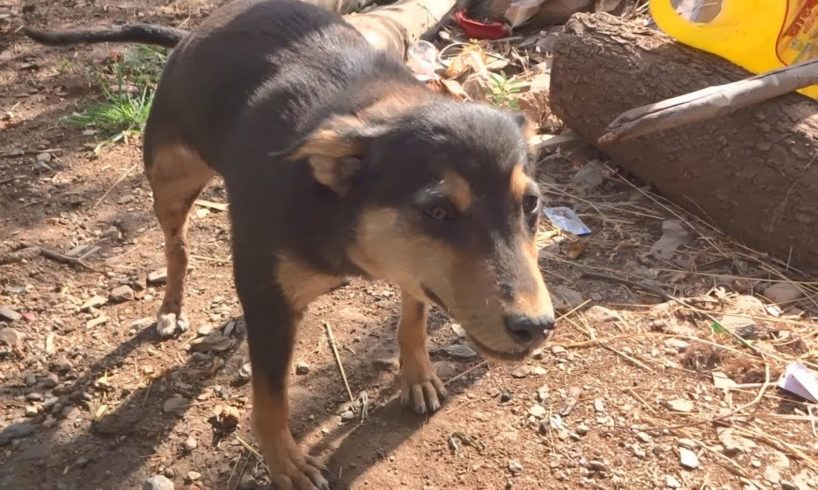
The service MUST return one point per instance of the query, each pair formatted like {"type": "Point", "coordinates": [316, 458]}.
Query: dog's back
{"type": "Point", "coordinates": [282, 52]}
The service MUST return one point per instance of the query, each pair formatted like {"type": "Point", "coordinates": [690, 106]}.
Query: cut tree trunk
{"type": "Point", "coordinates": [753, 173]}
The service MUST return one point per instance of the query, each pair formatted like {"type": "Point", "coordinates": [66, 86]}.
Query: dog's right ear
{"type": "Point", "coordinates": [335, 150]}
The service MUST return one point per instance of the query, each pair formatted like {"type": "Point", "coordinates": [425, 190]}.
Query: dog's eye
{"type": "Point", "coordinates": [439, 212]}
{"type": "Point", "coordinates": [530, 204]}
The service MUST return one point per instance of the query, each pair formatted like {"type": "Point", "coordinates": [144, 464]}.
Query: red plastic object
{"type": "Point", "coordinates": [480, 30]}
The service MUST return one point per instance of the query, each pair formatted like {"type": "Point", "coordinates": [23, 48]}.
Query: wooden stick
{"type": "Point", "coordinates": [710, 103]}
{"type": "Point", "coordinates": [334, 347]}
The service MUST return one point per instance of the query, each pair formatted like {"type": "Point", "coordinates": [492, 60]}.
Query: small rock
{"type": "Point", "coordinates": [158, 277]}
{"type": "Point", "coordinates": [672, 482]}
{"type": "Point", "coordinates": [643, 437]}
{"type": "Point", "coordinates": [95, 322]}
{"type": "Point", "coordinates": [61, 365]}
{"type": "Point", "coordinates": [459, 351]}
{"type": "Point", "coordinates": [680, 405]}
{"type": "Point", "coordinates": [582, 429]}
{"type": "Point", "coordinates": [515, 467]}
{"type": "Point", "coordinates": [589, 176]}
{"type": "Point", "coordinates": [445, 370]}
{"type": "Point", "coordinates": [537, 411]}
{"type": "Point", "coordinates": [506, 396]}
{"type": "Point", "coordinates": [44, 157]}
{"type": "Point", "coordinates": [688, 459]}
{"type": "Point", "coordinates": [9, 336]}
{"type": "Point", "coordinates": [247, 482]}
{"type": "Point", "coordinates": [639, 452]}
{"type": "Point", "coordinates": [538, 371]}
{"type": "Point", "coordinates": [599, 405]}
{"type": "Point", "coordinates": [142, 323]}
{"type": "Point", "coordinates": [674, 235]}
{"type": "Point", "coordinates": [678, 345]}
{"type": "Point", "coordinates": [565, 299]}
{"type": "Point", "coordinates": [93, 302]}
{"type": "Point", "coordinates": [780, 460]}
{"type": "Point", "coordinates": [302, 368]}
{"type": "Point", "coordinates": [158, 482]}
{"type": "Point", "coordinates": [175, 404]}
{"type": "Point", "coordinates": [190, 443]}
{"type": "Point", "coordinates": [246, 372]}
{"type": "Point", "coordinates": [788, 485]}
{"type": "Point", "coordinates": [215, 342]}
{"type": "Point", "coordinates": [31, 411]}
{"type": "Point", "coordinates": [688, 444]}
{"type": "Point", "coordinates": [193, 475]}
{"type": "Point", "coordinates": [734, 444]}
{"type": "Point", "coordinates": [386, 363]}
{"type": "Point", "coordinates": [347, 415]}
{"type": "Point", "coordinates": [783, 292]}
{"type": "Point", "coordinates": [6, 313]}
{"type": "Point", "coordinates": [598, 466]}
{"type": "Point", "coordinates": [50, 380]}
{"type": "Point", "coordinates": [521, 372]}
{"type": "Point", "coordinates": [558, 350]}
{"type": "Point", "coordinates": [16, 431]}
{"type": "Point", "coordinates": [121, 294]}
{"type": "Point", "coordinates": [204, 330]}
{"type": "Point", "coordinates": [772, 475]}
{"type": "Point", "coordinates": [458, 330]}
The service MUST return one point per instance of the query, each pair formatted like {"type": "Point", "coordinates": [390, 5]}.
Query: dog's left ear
{"type": "Point", "coordinates": [335, 150]}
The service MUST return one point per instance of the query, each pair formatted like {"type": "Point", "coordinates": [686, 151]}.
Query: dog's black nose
{"type": "Point", "coordinates": [526, 329]}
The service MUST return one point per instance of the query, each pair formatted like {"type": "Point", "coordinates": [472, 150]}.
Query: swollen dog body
{"type": "Point", "coordinates": [338, 163]}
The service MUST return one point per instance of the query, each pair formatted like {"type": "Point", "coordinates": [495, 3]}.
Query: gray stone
{"type": "Point", "coordinates": [672, 482]}
{"type": "Point", "coordinates": [515, 467]}
{"type": "Point", "coordinates": [6, 313]}
{"type": "Point", "coordinates": [61, 365]}
{"type": "Point", "coordinates": [458, 330]}
{"type": "Point", "coordinates": [688, 459]}
{"type": "Point", "coordinates": [680, 405]}
{"type": "Point", "coordinates": [121, 294]}
{"type": "Point", "coordinates": [302, 368]}
{"type": "Point", "coordinates": [678, 345]}
{"type": "Point", "coordinates": [783, 292]}
{"type": "Point", "coordinates": [347, 415]}
{"type": "Point", "coordinates": [772, 475]}
{"type": "Point", "coordinates": [537, 411]}
{"type": "Point", "coordinates": [459, 351]}
{"type": "Point", "coordinates": [158, 277]}
{"type": "Point", "coordinates": [175, 404]}
{"type": "Point", "coordinates": [157, 482]}
{"type": "Point", "coordinates": [9, 336]}
{"type": "Point", "coordinates": [16, 431]}
{"type": "Point", "coordinates": [93, 302]}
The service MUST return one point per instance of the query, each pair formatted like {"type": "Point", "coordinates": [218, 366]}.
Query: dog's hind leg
{"type": "Point", "coordinates": [177, 175]}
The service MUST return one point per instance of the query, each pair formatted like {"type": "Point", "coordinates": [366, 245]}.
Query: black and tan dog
{"type": "Point", "coordinates": [338, 163]}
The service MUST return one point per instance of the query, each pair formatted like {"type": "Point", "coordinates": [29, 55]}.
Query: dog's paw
{"type": "Point", "coordinates": [169, 324]}
{"type": "Point", "coordinates": [421, 389]}
{"type": "Point", "coordinates": [290, 469]}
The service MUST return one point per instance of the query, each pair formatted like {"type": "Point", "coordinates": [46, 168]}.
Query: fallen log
{"type": "Point", "coordinates": [751, 173]}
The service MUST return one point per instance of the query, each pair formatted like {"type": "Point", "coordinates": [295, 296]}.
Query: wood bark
{"type": "Point", "coordinates": [753, 173]}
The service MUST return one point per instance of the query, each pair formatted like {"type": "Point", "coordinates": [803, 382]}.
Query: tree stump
{"type": "Point", "coordinates": [752, 174]}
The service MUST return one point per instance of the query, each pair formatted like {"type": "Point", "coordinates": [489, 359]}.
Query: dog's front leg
{"type": "Point", "coordinates": [271, 318]}
{"type": "Point", "coordinates": [420, 386]}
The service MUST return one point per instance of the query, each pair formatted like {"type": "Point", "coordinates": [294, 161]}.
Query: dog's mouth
{"type": "Point", "coordinates": [516, 355]}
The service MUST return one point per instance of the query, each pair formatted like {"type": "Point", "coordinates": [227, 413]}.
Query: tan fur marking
{"type": "Point", "coordinates": [538, 302]}
{"type": "Point", "coordinates": [519, 183]}
{"type": "Point", "coordinates": [458, 190]}
{"type": "Point", "coordinates": [412, 326]}
{"type": "Point", "coordinates": [301, 283]}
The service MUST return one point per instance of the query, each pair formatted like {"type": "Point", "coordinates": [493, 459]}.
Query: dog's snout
{"type": "Point", "coordinates": [526, 329]}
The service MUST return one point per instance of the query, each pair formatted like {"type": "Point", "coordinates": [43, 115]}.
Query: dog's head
{"type": "Point", "coordinates": [447, 210]}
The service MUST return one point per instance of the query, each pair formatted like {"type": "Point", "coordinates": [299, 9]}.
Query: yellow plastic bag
{"type": "Point", "coordinates": [758, 35]}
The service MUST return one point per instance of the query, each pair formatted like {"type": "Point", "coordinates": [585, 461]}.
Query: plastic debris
{"type": "Point", "coordinates": [481, 30]}
{"type": "Point", "coordinates": [801, 381]}
{"type": "Point", "coordinates": [566, 220]}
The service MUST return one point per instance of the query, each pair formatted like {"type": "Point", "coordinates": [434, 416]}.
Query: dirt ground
{"type": "Point", "coordinates": [625, 397]}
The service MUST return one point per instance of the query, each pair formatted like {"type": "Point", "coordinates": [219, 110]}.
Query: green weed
{"type": "Point", "coordinates": [127, 84]}
{"type": "Point", "coordinates": [503, 91]}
